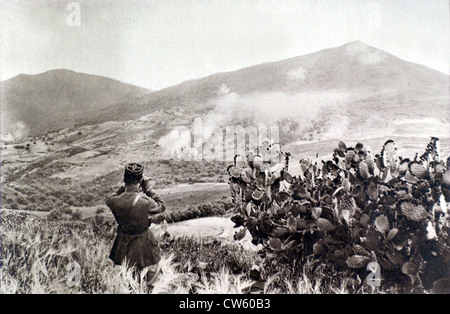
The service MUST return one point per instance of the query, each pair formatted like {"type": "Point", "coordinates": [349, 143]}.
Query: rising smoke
{"type": "Point", "coordinates": [15, 132]}
{"type": "Point", "coordinates": [255, 109]}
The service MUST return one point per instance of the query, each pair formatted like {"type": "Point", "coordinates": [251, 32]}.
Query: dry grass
{"type": "Point", "coordinates": [35, 255]}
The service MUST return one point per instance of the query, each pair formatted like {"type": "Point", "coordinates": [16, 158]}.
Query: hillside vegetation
{"type": "Point", "coordinates": [355, 213]}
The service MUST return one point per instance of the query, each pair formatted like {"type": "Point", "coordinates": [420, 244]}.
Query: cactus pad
{"type": "Point", "coordinates": [395, 257]}
{"type": "Point", "coordinates": [339, 152]}
{"type": "Point", "coordinates": [325, 225]}
{"type": "Point", "coordinates": [364, 170]}
{"type": "Point", "coordinates": [346, 212]}
{"type": "Point", "coordinates": [409, 268]}
{"type": "Point", "coordinates": [359, 250]}
{"type": "Point", "coordinates": [349, 158]}
{"type": "Point", "coordinates": [246, 175]}
{"type": "Point", "coordinates": [292, 224]}
{"type": "Point", "coordinates": [392, 233]}
{"type": "Point", "coordinates": [257, 194]}
{"type": "Point", "coordinates": [235, 172]}
{"type": "Point", "coordinates": [370, 164]}
{"type": "Point", "coordinates": [287, 177]}
{"type": "Point", "coordinates": [364, 220]}
{"type": "Point", "coordinates": [418, 170]}
{"type": "Point", "coordinates": [240, 162]}
{"type": "Point", "coordinates": [342, 146]}
{"type": "Point", "coordinates": [275, 244]}
{"type": "Point", "coordinates": [359, 146]}
{"type": "Point", "coordinates": [357, 261]}
{"type": "Point", "coordinates": [347, 203]}
{"type": "Point", "coordinates": [316, 212]}
{"type": "Point", "coordinates": [413, 212]}
{"type": "Point", "coordinates": [301, 224]}
{"type": "Point", "coordinates": [388, 154]}
{"type": "Point", "coordinates": [382, 224]}
{"type": "Point", "coordinates": [379, 163]}
{"type": "Point", "coordinates": [318, 247]}
{"type": "Point", "coordinates": [258, 162]}
{"type": "Point", "coordinates": [404, 166]}
{"type": "Point", "coordinates": [346, 215]}
{"type": "Point", "coordinates": [410, 178]}
{"type": "Point", "coordinates": [280, 232]}
{"type": "Point", "coordinates": [373, 239]}
{"type": "Point", "coordinates": [239, 235]}
{"type": "Point", "coordinates": [373, 192]}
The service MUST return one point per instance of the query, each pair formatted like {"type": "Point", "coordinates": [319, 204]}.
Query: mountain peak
{"type": "Point", "coordinates": [356, 43]}
{"type": "Point", "coordinates": [61, 71]}
{"type": "Point", "coordinates": [360, 47]}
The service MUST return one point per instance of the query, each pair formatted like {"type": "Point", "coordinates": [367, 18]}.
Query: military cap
{"type": "Point", "coordinates": [133, 172]}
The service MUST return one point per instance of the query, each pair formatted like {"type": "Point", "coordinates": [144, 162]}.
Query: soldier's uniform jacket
{"type": "Point", "coordinates": [134, 240]}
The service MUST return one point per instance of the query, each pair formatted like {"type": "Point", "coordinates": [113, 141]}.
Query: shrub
{"type": "Point", "coordinates": [22, 200]}
{"type": "Point", "coordinates": [218, 208]}
{"type": "Point", "coordinates": [13, 205]}
{"type": "Point", "coordinates": [352, 213]}
{"type": "Point", "coordinates": [76, 215]}
{"type": "Point", "coordinates": [58, 212]}
{"type": "Point", "coordinates": [54, 214]}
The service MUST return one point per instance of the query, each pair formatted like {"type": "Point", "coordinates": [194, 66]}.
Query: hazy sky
{"type": "Point", "coordinates": [156, 44]}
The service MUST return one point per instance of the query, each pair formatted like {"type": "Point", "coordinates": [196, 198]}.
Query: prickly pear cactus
{"type": "Point", "coordinates": [351, 212]}
{"type": "Point", "coordinates": [256, 180]}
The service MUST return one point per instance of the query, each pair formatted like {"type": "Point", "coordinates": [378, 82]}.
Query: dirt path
{"type": "Point", "coordinates": [207, 228]}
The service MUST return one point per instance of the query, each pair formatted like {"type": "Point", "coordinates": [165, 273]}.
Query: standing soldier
{"type": "Point", "coordinates": [135, 242]}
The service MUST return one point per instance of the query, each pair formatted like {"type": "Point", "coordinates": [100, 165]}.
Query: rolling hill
{"type": "Point", "coordinates": [373, 81]}
{"type": "Point", "coordinates": [35, 104]}
{"type": "Point", "coordinates": [355, 85]}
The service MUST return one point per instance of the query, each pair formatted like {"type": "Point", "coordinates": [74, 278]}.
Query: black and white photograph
{"type": "Point", "coordinates": [251, 148]}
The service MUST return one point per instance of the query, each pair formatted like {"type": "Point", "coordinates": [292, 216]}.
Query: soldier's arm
{"type": "Point", "coordinates": [153, 207]}
{"type": "Point", "coordinates": [152, 194]}
{"type": "Point", "coordinates": [120, 190]}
